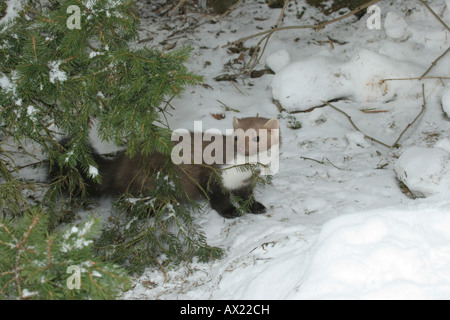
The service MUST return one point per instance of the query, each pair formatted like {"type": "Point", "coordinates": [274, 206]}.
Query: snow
{"type": "Point", "coordinates": [388, 253]}
{"type": "Point", "coordinates": [356, 138]}
{"type": "Point", "coordinates": [306, 83]}
{"type": "Point", "coordinates": [443, 144]}
{"type": "Point", "coordinates": [55, 73]}
{"type": "Point", "coordinates": [338, 226]}
{"type": "Point", "coordinates": [93, 171]}
{"type": "Point", "coordinates": [5, 83]}
{"type": "Point", "coordinates": [12, 9]}
{"type": "Point", "coordinates": [395, 26]}
{"type": "Point", "coordinates": [278, 60]}
{"type": "Point", "coordinates": [75, 237]}
{"type": "Point", "coordinates": [446, 102]}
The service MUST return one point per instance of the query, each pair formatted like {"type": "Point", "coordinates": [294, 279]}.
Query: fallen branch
{"type": "Point", "coordinates": [354, 125]}
{"type": "Point", "coordinates": [445, 26]}
{"type": "Point", "coordinates": [415, 119]}
{"type": "Point", "coordinates": [435, 15]}
{"type": "Point", "coordinates": [395, 144]}
{"type": "Point", "coordinates": [414, 78]}
{"type": "Point", "coordinates": [234, 6]}
{"type": "Point", "coordinates": [180, 3]}
{"type": "Point", "coordinates": [310, 109]}
{"type": "Point", "coordinates": [321, 162]}
{"type": "Point", "coordinates": [317, 26]}
{"type": "Point", "coordinates": [435, 62]}
{"type": "Point", "coordinates": [256, 57]}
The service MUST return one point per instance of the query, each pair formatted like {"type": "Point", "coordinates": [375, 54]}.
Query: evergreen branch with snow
{"type": "Point", "coordinates": [54, 83]}
{"type": "Point", "coordinates": [35, 264]}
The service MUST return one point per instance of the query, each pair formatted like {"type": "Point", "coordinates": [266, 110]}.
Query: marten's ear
{"type": "Point", "coordinates": [235, 123]}
{"type": "Point", "coordinates": [272, 124]}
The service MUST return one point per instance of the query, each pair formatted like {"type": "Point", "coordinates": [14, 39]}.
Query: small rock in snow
{"type": "Point", "coordinates": [357, 139]}
{"type": "Point", "coordinates": [395, 26]}
{"type": "Point", "coordinates": [443, 144]}
{"type": "Point", "coordinates": [317, 117]}
{"type": "Point", "coordinates": [446, 102]}
{"type": "Point", "coordinates": [425, 171]}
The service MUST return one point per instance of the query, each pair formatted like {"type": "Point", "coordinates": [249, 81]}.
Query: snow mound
{"type": "Point", "coordinates": [446, 102]}
{"type": "Point", "coordinates": [381, 254]}
{"type": "Point", "coordinates": [443, 144]}
{"type": "Point", "coordinates": [357, 139]}
{"type": "Point", "coordinates": [395, 26]}
{"type": "Point", "coordinates": [317, 117]}
{"type": "Point", "coordinates": [425, 171]}
{"type": "Point", "coordinates": [278, 60]}
{"type": "Point", "coordinates": [306, 83]}
{"type": "Point", "coordinates": [368, 68]}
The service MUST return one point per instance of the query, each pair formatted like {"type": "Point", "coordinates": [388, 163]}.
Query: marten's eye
{"type": "Point", "coordinates": [256, 139]}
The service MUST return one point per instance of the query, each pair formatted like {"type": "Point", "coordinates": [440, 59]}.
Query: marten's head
{"type": "Point", "coordinates": [254, 135]}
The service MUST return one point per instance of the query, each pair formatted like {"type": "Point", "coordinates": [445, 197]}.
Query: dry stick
{"type": "Point", "coordinates": [435, 15]}
{"type": "Point", "coordinates": [267, 38]}
{"type": "Point", "coordinates": [416, 78]}
{"type": "Point", "coordinates": [280, 108]}
{"type": "Point", "coordinates": [314, 26]}
{"type": "Point", "coordinates": [255, 52]}
{"type": "Point", "coordinates": [395, 144]}
{"type": "Point", "coordinates": [415, 119]}
{"type": "Point", "coordinates": [354, 125]}
{"type": "Point", "coordinates": [446, 27]}
{"type": "Point", "coordinates": [321, 162]}
{"type": "Point", "coordinates": [234, 6]}
{"type": "Point", "coordinates": [435, 62]}
{"type": "Point", "coordinates": [176, 7]}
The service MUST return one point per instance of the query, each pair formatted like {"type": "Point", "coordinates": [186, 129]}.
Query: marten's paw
{"type": "Point", "coordinates": [257, 208]}
{"type": "Point", "coordinates": [230, 213]}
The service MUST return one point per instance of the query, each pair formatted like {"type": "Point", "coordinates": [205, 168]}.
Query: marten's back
{"type": "Point", "coordinates": [121, 174]}
{"type": "Point", "coordinates": [135, 176]}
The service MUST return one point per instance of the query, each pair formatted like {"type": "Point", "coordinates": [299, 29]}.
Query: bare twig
{"type": "Point", "coordinates": [256, 57]}
{"type": "Point", "coordinates": [234, 6]}
{"type": "Point", "coordinates": [179, 4]}
{"type": "Point", "coordinates": [415, 119]}
{"type": "Point", "coordinates": [416, 78]}
{"type": "Point", "coordinates": [435, 62]}
{"type": "Point", "coordinates": [321, 162]}
{"type": "Point", "coordinates": [445, 26]}
{"type": "Point", "coordinates": [395, 144]}
{"type": "Point", "coordinates": [310, 109]}
{"type": "Point", "coordinates": [28, 165]}
{"type": "Point", "coordinates": [435, 15]}
{"type": "Point", "coordinates": [354, 125]}
{"type": "Point", "coordinates": [317, 26]}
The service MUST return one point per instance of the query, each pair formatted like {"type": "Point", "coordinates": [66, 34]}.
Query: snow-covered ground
{"type": "Point", "coordinates": [338, 224]}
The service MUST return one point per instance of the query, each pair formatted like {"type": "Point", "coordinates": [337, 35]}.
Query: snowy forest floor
{"type": "Point", "coordinates": [339, 224]}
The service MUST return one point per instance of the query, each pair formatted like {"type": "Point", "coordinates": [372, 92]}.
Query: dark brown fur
{"type": "Point", "coordinates": [121, 174]}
